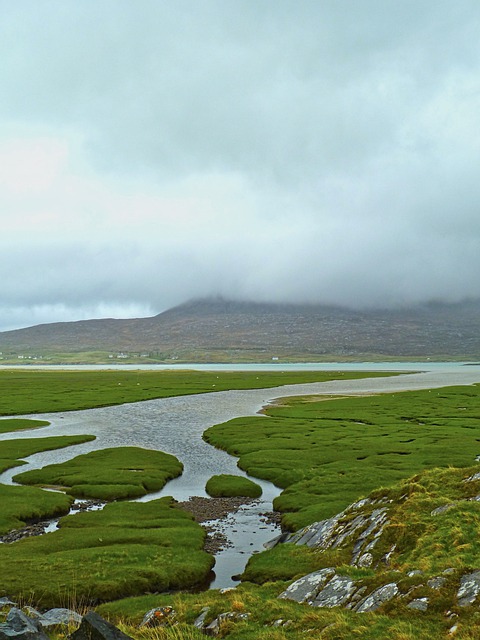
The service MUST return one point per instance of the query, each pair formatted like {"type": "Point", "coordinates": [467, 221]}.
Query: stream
{"type": "Point", "coordinates": [175, 425]}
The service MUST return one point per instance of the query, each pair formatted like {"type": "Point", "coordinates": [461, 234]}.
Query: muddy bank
{"type": "Point", "coordinates": [46, 526]}
{"type": "Point", "coordinates": [212, 514]}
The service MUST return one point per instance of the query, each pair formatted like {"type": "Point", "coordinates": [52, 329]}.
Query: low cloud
{"type": "Point", "coordinates": [321, 152]}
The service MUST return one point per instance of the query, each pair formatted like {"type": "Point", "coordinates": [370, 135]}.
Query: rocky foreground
{"type": "Point", "coordinates": [405, 552]}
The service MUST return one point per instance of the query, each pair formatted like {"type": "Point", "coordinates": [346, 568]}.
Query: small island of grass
{"type": "Point", "coordinates": [229, 486]}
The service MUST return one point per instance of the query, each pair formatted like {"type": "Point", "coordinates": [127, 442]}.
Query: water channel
{"type": "Point", "coordinates": [175, 425]}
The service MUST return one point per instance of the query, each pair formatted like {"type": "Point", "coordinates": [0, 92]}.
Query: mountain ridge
{"type": "Point", "coordinates": [220, 328]}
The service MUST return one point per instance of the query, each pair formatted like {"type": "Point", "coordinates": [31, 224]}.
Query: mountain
{"type": "Point", "coordinates": [223, 330]}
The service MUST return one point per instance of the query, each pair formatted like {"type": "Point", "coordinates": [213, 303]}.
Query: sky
{"type": "Point", "coordinates": [155, 151]}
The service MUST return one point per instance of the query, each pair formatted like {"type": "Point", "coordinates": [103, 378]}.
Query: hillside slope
{"type": "Point", "coordinates": [221, 329]}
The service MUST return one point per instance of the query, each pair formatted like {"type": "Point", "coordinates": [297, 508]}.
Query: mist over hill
{"type": "Point", "coordinates": [223, 330]}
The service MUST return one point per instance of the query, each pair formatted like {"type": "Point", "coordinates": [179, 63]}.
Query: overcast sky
{"type": "Point", "coordinates": [153, 151]}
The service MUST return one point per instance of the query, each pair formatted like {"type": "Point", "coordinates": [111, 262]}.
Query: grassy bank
{"type": "Point", "coordinates": [108, 474]}
{"type": "Point", "coordinates": [126, 549]}
{"type": "Point", "coordinates": [8, 425]}
{"type": "Point", "coordinates": [432, 551]}
{"type": "Point", "coordinates": [24, 391]}
{"type": "Point", "coordinates": [12, 451]}
{"type": "Point", "coordinates": [23, 504]}
{"type": "Point", "coordinates": [327, 453]}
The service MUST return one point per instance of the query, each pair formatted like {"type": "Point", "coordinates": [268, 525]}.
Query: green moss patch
{"type": "Point", "coordinates": [108, 474]}
{"type": "Point", "coordinates": [229, 486]}
{"type": "Point", "coordinates": [326, 454]}
{"type": "Point", "coordinates": [127, 549]}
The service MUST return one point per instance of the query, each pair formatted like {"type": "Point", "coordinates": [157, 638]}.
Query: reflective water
{"type": "Point", "coordinates": [175, 425]}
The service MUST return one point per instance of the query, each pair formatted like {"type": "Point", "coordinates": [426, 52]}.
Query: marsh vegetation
{"type": "Point", "coordinates": [411, 449]}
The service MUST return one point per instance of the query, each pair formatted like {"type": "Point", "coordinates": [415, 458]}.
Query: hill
{"type": "Point", "coordinates": [222, 330]}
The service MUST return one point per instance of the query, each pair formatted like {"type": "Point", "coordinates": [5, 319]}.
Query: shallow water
{"type": "Point", "coordinates": [175, 425]}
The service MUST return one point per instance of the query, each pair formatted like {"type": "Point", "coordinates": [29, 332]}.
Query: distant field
{"type": "Point", "coordinates": [24, 391]}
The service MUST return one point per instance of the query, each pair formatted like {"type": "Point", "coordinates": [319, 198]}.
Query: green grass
{"type": "Point", "coordinates": [108, 474]}
{"type": "Point", "coordinates": [19, 424]}
{"type": "Point", "coordinates": [23, 504]}
{"type": "Point", "coordinates": [127, 549]}
{"type": "Point", "coordinates": [24, 391]}
{"type": "Point", "coordinates": [326, 454]}
{"type": "Point", "coordinates": [425, 542]}
{"type": "Point", "coordinates": [228, 486]}
{"type": "Point", "coordinates": [265, 609]}
{"type": "Point", "coordinates": [26, 504]}
{"type": "Point", "coordinates": [12, 451]}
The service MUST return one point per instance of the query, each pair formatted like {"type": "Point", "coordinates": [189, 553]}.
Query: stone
{"type": "Point", "coordinates": [200, 621]}
{"type": "Point", "coordinates": [377, 598]}
{"type": "Point", "coordinates": [473, 478]}
{"type": "Point", "coordinates": [18, 626]}
{"type": "Point", "coordinates": [419, 604]}
{"type": "Point", "coordinates": [158, 617]}
{"type": "Point", "coordinates": [306, 589]}
{"type": "Point", "coordinates": [443, 509]}
{"type": "Point", "coordinates": [469, 588]}
{"type": "Point", "coordinates": [436, 583]}
{"type": "Point", "coordinates": [214, 628]}
{"type": "Point", "coordinates": [336, 593]}
{"type": "Point", "coordinates": [5, 602]}
{"type": "Point", "coordinates": [59, 616]}
{"type": "Point", "coordinates": [94, 627]}
{"type": "Point", "coordinates": [365, 560]}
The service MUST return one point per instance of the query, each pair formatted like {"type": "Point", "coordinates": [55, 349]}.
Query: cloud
{"type": "Point", "coordinates": [152, 152]}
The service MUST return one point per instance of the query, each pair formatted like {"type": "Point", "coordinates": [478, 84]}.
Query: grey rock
{"type": "Point", "coordinates": [377, 598]}
{"type": "Point", "coordinates": [59, 616]}
{"type": "Point", "coordinates": [365, 529]}
{"type": "Point", "coordinates": [94, 627]}
{"type": "Point", "coordinates": [306, 589]}
{"type": "Point", "coordinates": [436, 583]}
{"type": "Point", "coordinates": [158, 617]}
{"type": "Point", "coordinates": [386, 558]}
{"type": "Point", "coordinates": [415, 572]}
{"type": "Point", "coordinates": [368, 538]}
{"type": "Point", "coordinates": [365, 560]}
{"type": "Point", "coordinates": [469, 588]}
{"type": "Point", "coordinates": [200, 621]}
{"type": "Point", "coordinates": [419, 604]}
{"type": "Point", "coordinates": [442, 509]}
{"type": "Point", "coordinates": [282, 623]}
{"type": "Point", "coordinates": [337, 592]}
{"type": "Point", "coordinates": [5, 602]}
{"type": "Point", "coordinates": [19, 626]}
{"type": "Point", "coordinates": [214, 627]}
{"type": "Point", "coordinates": [476, 476]}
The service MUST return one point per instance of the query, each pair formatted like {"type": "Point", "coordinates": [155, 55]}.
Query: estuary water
{"type": "Point", "coordinates": [175, 425]}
